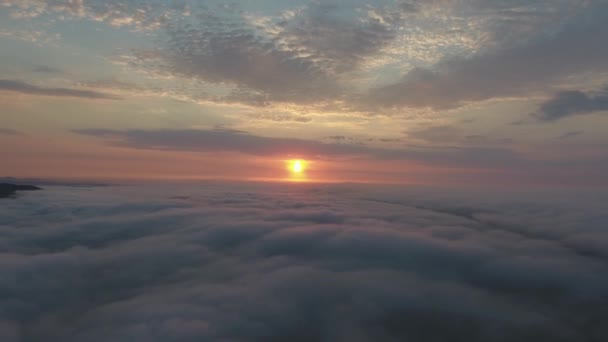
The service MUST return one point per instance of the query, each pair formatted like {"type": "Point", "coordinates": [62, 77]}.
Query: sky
{"type": "Point", "coordinates": [493, 92]}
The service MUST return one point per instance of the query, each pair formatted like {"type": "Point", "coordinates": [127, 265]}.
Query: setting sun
{"type": "Point", "coordinates": [297, 167]}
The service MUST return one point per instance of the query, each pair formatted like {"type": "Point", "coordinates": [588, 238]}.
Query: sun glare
{"type": "Point", "coordinates": [297, 168]}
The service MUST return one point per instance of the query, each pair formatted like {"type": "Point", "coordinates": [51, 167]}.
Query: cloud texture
{"type": "Point", "coordinates": [266, 262]}
{"type": "Point", "coordinates": [516, 70]}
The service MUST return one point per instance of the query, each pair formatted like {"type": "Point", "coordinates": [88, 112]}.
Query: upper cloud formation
{"type": "Point", "coordinates": [335, 37]}
{"type": "Point", "coordinates": [315, 54]}
{"type": "Point", "coordinates": [344, 55]}
{"type": "Point", "coordinates": [25, 88]}
{"type": "Point", "coordinates": [504, 71]}
{"type": "Point", "coordinates": [297, 59]}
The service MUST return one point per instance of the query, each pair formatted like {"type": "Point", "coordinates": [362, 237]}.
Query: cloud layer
{"type": "Point", "coordinates": [304, 262]}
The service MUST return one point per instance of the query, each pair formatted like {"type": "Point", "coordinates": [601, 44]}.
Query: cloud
{"type": "Point", "coordinates": [570, 134]}
{"type": "Point", "coordinates": [9, 131]}
{"type": "Point", "coordinates": [572, 103]}
{"type": "Point", "coordinates": [247, 262]}
{"type": "Point", "coordinates": [222, 49]}
{"type": "Point", "coordinates": [223, 140]}
{"type": "Point", "coordinates": [504, 71]}
{"type": "Point", "coordinates": [324, 53]}
{"type": "Point", "coordinates": [337, 37]}
{"type": "Point", "coordinates": [139, 15]}
{"type": "Point", "coordinates": [31, 36]}
{"type": "Point", "coordinates": [227, 140]}
{"type": "Point", "coordinates": [280, 117]}
{"type": "Point", "coordinates": [455, 135]}
{"type": "Point", "coordinates": [478, 159]}
{"type": "Point", "coordinates": [25, 88]}
{"type": "Point", "coordinates": [45, 69]}
{"type": "Point", "coordinates": [303, 56]}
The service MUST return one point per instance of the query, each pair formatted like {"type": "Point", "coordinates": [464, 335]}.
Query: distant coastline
{"type": "Point", "coordinates": [10, 190]}
{"type": "Point", "coordinates": [43, 182]}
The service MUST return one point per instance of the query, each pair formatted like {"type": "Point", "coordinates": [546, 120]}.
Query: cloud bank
{"type": "Point", "coordinates": [236, 262]}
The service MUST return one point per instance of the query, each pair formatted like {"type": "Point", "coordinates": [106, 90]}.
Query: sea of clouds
{"type": "Point", "coordinates": [302, 262]}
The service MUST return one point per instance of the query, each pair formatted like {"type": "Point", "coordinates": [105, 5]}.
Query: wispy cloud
{"type": "Point", "coordinates": [570, 134]}
{"type": "Point", "coordinates": [226, 140]}
{"type": "Point", "coordinates": [45, 69]}
{"type": "Point", "coordinates": [31, 36]}
{"type": "Point", "coordinates": [26, 88]}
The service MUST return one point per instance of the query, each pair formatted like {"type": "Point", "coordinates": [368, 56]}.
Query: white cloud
{"type": "Point", "coordinates": [31, 36]}
{"type": "Point", "coordinates": [139, 15]}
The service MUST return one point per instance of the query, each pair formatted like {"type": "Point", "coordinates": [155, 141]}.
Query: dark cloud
{"type": "Point", "coordinates": [47, 70]}
{"type": "Point", "coordinates": [387, 140]}
{"type": "Point", "coordinates": [226, 140]}
{"type": "Point", "coordinates": [264, 262]}
{"type": "Point", "coordinates": [511, 70]}
{"type": "Point", "coordinates": [280, 117]}
{"type": "Point", "coordinates": [298, 59]}
{"type": "Point", "coordinates": [570, 134]}
{"type": "Point", "coordinates": [409, 6]}
{"type": "Point", "coordinates": [570, 103]}
{"type": "Point", "coordinates": [437, 134]}
{"type": "Point", "coordinates": [478, 159]}
{"type": "Point", "coordinates": [25, 88]}
{"type": "Point", "coordinates": [9, 131]}
{"type": "Point", "coordinates": [221, 48]}
{"type": "Point", "coordinates": [336, 37]}
{"type": "Point", "coordinates": [455, 135]}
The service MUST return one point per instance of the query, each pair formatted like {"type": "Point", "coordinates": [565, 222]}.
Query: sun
{"type": "Point", "coordinates": [296, 166]}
